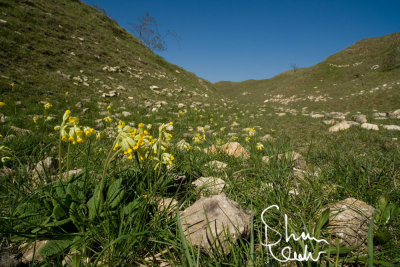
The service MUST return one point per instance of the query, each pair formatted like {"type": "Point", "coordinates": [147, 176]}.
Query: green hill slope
{"type": "Point", "coordinates": [366, 74]}
{"type": "Point", "coordinates": [51, 47]}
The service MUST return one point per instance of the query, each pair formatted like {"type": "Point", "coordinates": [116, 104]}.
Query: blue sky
{"type": "Point", "coordinates": [229, 40]}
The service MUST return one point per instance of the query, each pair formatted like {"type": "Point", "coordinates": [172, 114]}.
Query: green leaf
{"type": "Point", "coordinates": [76, 193]}
{"type": "Point", "coordinates": [60, 189]}
{"type": "Point", "coordinates": [132, 206]}
{"type": "Point", "coordinates": [58, 212]}
{"type": "Point", "coordinates": [54, 247]}
{"type": "Point", "coordinates": [115, 194]}
{"type": "Point", "coordinates": [58, 223]}
{"type": "Point", "coordinates": [322, 221]}
{"type": "Point", "coordinates": [382, 202]}
{"type": "Point", "coordinates": [94, 204]}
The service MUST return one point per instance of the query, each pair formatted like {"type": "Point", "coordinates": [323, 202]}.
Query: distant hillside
{"type": "Point", "coordinates": [365, 74]}
{"type": "Point", "coordinates": [49, 47]}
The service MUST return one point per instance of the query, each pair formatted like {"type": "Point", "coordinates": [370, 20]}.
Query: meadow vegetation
{"type": "Point", "coordinates": [89, 179]}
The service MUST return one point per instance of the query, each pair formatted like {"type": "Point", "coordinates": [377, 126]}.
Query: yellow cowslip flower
{"type": "Point", "coordinates": [140, 125]}
{"type": "Point", "coordinates": [109, 106]}
{"type": "Point", "coordinates": [79, 132]}
{"type": "Point", "coordinates": [149, 126]}
{"type": "Point", "coordinates": [2, 104]}
{"type": "Point", "coordinates": [130, 156]}
{"type": "Point", "coordinates": [64, 138]}
{"type": "Point", "coordinates": [89, 131]}
{"type": "Point", "coordinates": [48, 105]}
{"type": "Point", "coordinates": [108, 119]}
{"type": "Point", "coordinates": [80, 140]}
{"type": "Point", "coordinates": [185, 146]}
{"type": "Point", "coordinates": [169, 137]}
{"type": "Point", "coordinates": [98, 136]}
{"type": "Point", "coordinates": [121, 124]}
{"type": "Point", "coordinates": [171, 123]}
{"type": "Point", "coordinates": [259, 146]}
{"type": "Point", "coordinates": [248, 139]}
{"type": "Point", "coordinates": [68, 112]}
{"type": "Point", "coordinates": [115, 146]}
{"type": "Point", "coordinates": [167, 158]}
{"type": "Point", "coordinates": [73, 120]}
{"type": "Point", "coordinates": [35, 119]}
{"type": "Point", "coordinates": [222, 129]}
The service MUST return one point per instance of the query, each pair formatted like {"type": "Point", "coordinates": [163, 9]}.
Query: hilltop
{"type": "Point", "coordinates": [365, 75]}
{"type": "Point", "coordinates": [52, 47]}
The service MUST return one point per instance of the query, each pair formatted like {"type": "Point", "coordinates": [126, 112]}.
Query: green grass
{"type": "Point", "coordinates": [125, 227]}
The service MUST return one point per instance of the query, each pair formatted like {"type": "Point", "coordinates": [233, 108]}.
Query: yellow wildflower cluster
{"type": "Point", "coordinates": [131, 140]}
{"type": "Point", "coordinates": [185, 146]}
{"type": "Point", "coordinates": [180, 112]}
{"type": "Point", "coordinates": [259, 146]}
{"type": "Point", "coordinates": [108, 119]}
{"type": "Point", "coordinates": [70, 131]}
{"type": "Point", "coordinates": [250, 131]}
{"type": "Point", "coordinates": [47, 105]}
{"type": "Point", "coordinates": [199, 137]}
{"type": "Point", "coordinates": [2, 104]}
{"type": "Point", "coordinates": [138, 141]}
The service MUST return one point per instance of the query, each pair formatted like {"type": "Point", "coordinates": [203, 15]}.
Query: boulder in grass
{"type": "Point", "coordinates": [216, 165]}
{"type": "Point", "coordinates": [360, 118]}
{"type": "Point", "coordinates": [329, 122]}
{"type": "Point", "coordinates": [126, 113]}
{"type": "Point", "coordinates": [349, 222]}
{"type": "Point", "coordinates": [20, 132]}
{"type": "Point", "coordinates": [47, 166]}
{"type": "Point", "coordinates": [213, 223]}
{"type": "Point", "coordinates": [267, 138]}
{"type": "Point", "coordinates": [370, 126]}
{"type": "Point", "coordinates": [30, 252]}
{"type": "Point", "coordinates": [344, 125]}
{"type": "Point", "coordinates": [209, 185]}
{"type": "Point", "coordinates": [234, 149]}
{"type": "Point", "coordinates": [167, 204]}
{"type": "Point", "coordinates": [391, 127]}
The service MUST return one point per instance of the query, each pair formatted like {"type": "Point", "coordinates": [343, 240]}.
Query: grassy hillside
{"type": "Point", "coordinates": [87, 180]}
{"type": "Point", "coordinates": [343, 81]}
{"type": "Point", "coordinates": [51, 47]}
